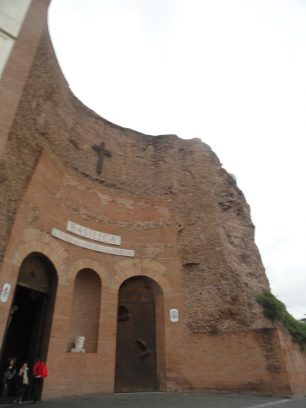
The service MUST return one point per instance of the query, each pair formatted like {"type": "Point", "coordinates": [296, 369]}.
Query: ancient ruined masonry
{"type": "Point", "coordinates": [124, 257]}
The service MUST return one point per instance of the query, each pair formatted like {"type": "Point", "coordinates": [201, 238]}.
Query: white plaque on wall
{"type": "Point", "coordinates": [93, 234]}
{"type": "Point", "coordinates": [174, 315]}
{"type": "Point", "coordinates": [5, 292]}
{"type": "Point", "coordinates": [90, 245]}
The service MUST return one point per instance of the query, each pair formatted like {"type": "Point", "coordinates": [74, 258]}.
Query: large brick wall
{"type": "Point", "coordinates": [221, 265]}
{"type": "Point", "coordinates": [170, 201]}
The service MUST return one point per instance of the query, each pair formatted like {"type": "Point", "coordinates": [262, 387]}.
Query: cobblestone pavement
{"type": "Point", "coordinates": [175, 400]}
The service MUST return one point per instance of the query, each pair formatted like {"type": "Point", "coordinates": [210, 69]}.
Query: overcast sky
{"type": "Point", "coordinates": [231, 72]}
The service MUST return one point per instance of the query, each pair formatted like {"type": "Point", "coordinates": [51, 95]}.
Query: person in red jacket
{"type": "Point", "coordinates": [39, 373]}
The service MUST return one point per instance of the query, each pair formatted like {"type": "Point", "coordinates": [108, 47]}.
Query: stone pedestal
{"type": "Point", "coordinates": [76, 350]}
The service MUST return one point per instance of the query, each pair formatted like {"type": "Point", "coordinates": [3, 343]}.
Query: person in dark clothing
{"type": "Point", "coordinates": [40, 372]}
{"type": "Point", "coordinates": [9, 378]}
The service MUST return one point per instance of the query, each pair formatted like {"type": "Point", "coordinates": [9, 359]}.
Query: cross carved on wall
{"type": "Point", "coordinates": [102, 152]}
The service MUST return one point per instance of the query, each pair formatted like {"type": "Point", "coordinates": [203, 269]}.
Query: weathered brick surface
{"type": "Point", "coordinates": [192, 194]}
{"type": "Point", "coordinates": [171, 201]}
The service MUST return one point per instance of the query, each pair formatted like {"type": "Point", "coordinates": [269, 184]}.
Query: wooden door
{"type": "Point", "coordinates": [136, 350]}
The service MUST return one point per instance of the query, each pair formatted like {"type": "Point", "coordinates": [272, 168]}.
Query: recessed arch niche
{"type": "Point", "coordinates": [85, 311]}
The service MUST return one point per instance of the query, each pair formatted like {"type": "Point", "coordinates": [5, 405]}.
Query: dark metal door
{"type": "Point", "coordinates": [136, 354]}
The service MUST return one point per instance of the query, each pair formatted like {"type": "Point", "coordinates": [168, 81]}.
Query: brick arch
{"type": "Point", "coordinates": [46, 246]}
{"type": "Point", "coordinates": [44, 255]}
{"type": "Point", "coordinates": [161, 290]}
{"type": "Point", "coordinates": [87, 263]}
{"type": "Point", "coordinates": [152, 269]}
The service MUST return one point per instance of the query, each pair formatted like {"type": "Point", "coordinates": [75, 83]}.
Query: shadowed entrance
{"type": "Point", "coordinates": [29, 322]}
{"type": "Point", "coordinates": [136, 337]}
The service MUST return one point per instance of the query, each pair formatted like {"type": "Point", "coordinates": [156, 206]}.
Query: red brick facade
{"type": "Point", "coordinates": [170, 201]}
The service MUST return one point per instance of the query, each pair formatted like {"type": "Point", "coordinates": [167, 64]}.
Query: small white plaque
{"type": "Point", "coordinates": [5, 292]}
{"type": "Point", "coordinates": [93, 234]}
{"type": "Point", "coordinates": [90, 245]}
{"type": "Point", "coordinates": [174, 315]}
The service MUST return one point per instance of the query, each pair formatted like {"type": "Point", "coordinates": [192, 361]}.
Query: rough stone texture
{"type": "Point", "coordinates": [221, 266]}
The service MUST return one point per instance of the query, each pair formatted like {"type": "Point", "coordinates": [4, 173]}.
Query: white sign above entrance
{"type": "Point", "coordinates": [90, 245]}
{"type": "Point", "coordinates": [93, 234]}
{"type": "Point", "coordinates": [5, 292]}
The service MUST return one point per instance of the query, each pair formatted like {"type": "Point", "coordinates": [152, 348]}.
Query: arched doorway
{"type": "Point", "coordinates": [136, 355]}
{"type": "Point", "coordinates": [29, 322]}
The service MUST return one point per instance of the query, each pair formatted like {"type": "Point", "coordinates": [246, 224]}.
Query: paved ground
{"type": "Point", "coordinates": [175, 400]}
